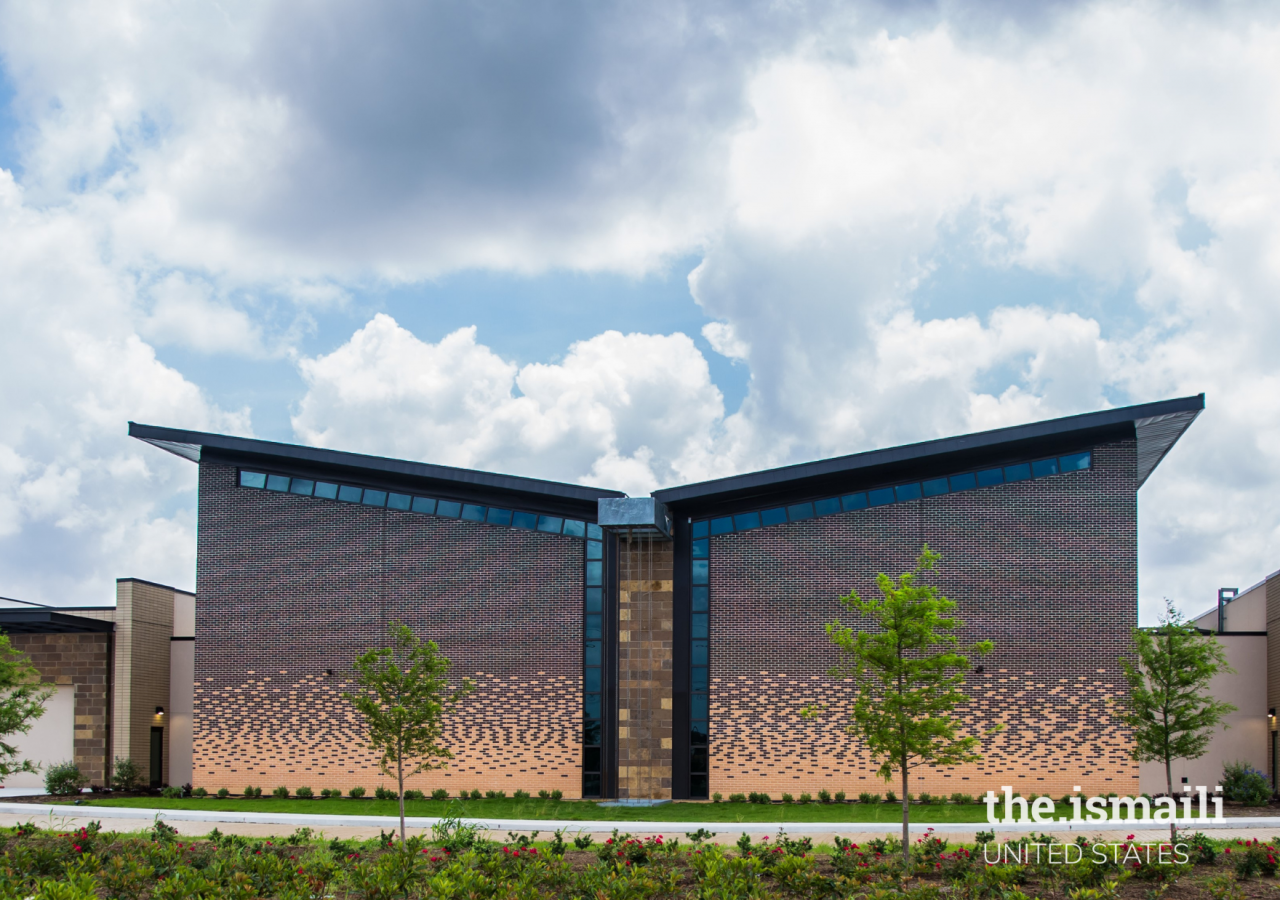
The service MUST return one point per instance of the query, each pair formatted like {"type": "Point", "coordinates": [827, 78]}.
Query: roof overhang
{"type": "Point", "coordinates": [1156, 426]}
{"type": "Point", "coordinates": [50, 621]}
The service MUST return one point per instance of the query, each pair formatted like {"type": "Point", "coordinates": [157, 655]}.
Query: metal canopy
{"type": "Point", "coordinates": [50, 621]}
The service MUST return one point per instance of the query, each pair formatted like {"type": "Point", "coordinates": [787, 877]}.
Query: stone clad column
{"type": "Point", "coordinates": [645, 621]}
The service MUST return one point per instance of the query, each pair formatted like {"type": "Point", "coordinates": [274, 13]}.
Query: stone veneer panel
{"type": "Point", "coordinates": [1045, 568]}
{"type": "Point", "coordinates": [645, 622]}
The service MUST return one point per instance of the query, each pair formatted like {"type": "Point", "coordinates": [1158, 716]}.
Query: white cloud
{"type": "Point", "coordinates": [186, 313]}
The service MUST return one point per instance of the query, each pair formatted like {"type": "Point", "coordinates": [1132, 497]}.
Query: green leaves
{"type": "Point", "coordinates": [22, 699]}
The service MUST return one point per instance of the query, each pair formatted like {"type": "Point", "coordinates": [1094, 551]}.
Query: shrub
{"type": "Point", "coordinates": [925, 797]}
{"type": "Point", "coordinates": [1251, 858]}
{"type": "Point", "coordinates": [440, 794]}
{"type": "Point", "coordinates": [839, 796]}
{"type": "Point", "coordinates": [223, 793]}
{"type": "Point", "coordinates": [890, 797]}
{"type": "Point", "coordinates": [1243, 783]}
{"type": "Point", "coordinates": [356, 793]}
{"type": "Point", "coordinates": [384, 793]}
{"type": "Point", "coordinates": [544, 795]}
{"type": "Point", "coordinates": [520, 795]}
{"type": "Point", "coordinates": [326, 793]}
{"type": "Point", "coordinates": [304, 793]}
{"type": "Point", "coordinates": [557, 795]}
{"type": "Point", "coordinates": [866, 797]}
{"type": "Point", "coordinates": [248, 792]}
{"type": "Point", "coordinates": [495, 795]}
{"type": "Point", "coordinates": [64, 778]}
{"type": "Point", "coordinates": [806, 798]}
{"type": "Point", "coordinates": [412, 794]}
{"type": "Point", "coordinates": [824, 796]}
{"type": "Point", "coordinates": [737, 798]}
{"type": "Point", "coordinates": [171, 793]}
{"type": "Point", "coordinates": [200, 793]}
{"type": "Point", "coordinates": [281, 793]}
{"type": "Point", "coordinates": [758, 797]}
{"type": "Point", "coordinates": [127, 776]}
{"type": "Point", "coordinates": [717, 797]}
{"type": "Point", "coordinates": [787, 798]}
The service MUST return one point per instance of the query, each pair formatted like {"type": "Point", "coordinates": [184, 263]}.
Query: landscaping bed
{"type": "Point", "coordinates": [456, 863]}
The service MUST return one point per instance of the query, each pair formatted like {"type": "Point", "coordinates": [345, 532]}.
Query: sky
{"type": "Point", "coordinates": [628, 245]}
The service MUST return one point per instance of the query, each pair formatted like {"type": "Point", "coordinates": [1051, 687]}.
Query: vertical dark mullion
{"type": "Point", "coordinates": [680, 655]}
{"type": "Point", "coordinates": [609, 672]}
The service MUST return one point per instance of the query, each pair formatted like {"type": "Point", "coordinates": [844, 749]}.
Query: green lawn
{"type": "Point", "coordinates": [586, 810]}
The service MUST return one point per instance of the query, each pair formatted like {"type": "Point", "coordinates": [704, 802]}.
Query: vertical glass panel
{"type": "Point", "coordinates": [592, 628]}
{"type": "Point", "coordinates": [590, 785]}
{"type": "Point", "coordinates": [326, 490]}
{"type": "Point", "coordinates": [989, 477]}
{"type": "Point", "coordinates": [698, 706]}
{"type": "Point", "coordinates": [698, 733]}
{"type": "Point", "coordinates": [701, 598]}
{"type": "Point", "coordinates": [449, 509]}
{"type": "Point", "coordinates": [349, 494]}
{"type": "Point", "coordinates": [399, 501]}
{"type": "Point", "coordinates": [800, 511]}
{"type": "Point", "coordinates": [277, 482]}
{"type": "Point", "coordinates": [591, 732]}
{"type": "Point", "coordinates": [907, 492]}
{"type": "Point", "coordinates": [746, 521]}
{"type": "Point", "coordinates": [591, 653]}
{"type": "Point", "coordinates": [424, 505]}
{"type": "Point", "coordinates": [498, 516]}
{"type": "Point", "coordinates": [700, 529]}
{"type": "Point", "coordinates": [853, 501]}
{"type": "Point", "coordinates": [699, 653]}
{"type": "Point", "coordinates": [594, 532]}
{"type": "Point", "coordinates": [935, 486]}
{"type": "Point", "coordinates": [524, 520]}
{"type": "Point", "coordinates": [698, 786]}
{"type": "Point", "coordinates": [773, 516]}
{"type": "Point", "coordinates": [591, 679]}
{"type": "Point", "coordinates": [595, 571]}
{"type": "Point", "coordinates": [575, 528]}
{"type": "Point", "coordinates": [1043, 467]}
{"type": "Point", "coordinates": [964, 482]}
{"type": "Point", "coordinates": [1020, 472]}
{"type": "Point", "coordinates": [591, 706]}
{"type": "Point", "coordinates": [880, 496]}
{"type": "Point", "coordinates": [591, 759]}
{"type": "Point", "coordinates": [595, 550]}
{"type": "Point", "coordinates": [253, 479]}
{"type": "Point", "coordinates": [700, 548]}
{"type": "Point", "coordinates": [698, 760]}
{"type": "Point", "coordinates": [699, 570]}
{"type": "Point", "coordinates": [595, 600]}
{"type": "Point", "coordinates": [723, 525]}
{"type": "Point", "coordinates": [374, 498]}
{"type": "Point", "coordinates": [698, 623]}
{"type": "Point", "coordinates": [473, 513]}
{"type": "Point", "coordinates": [302, 486]}
{"type": "Point", "coordinates": [550, 524]}
{"type": "Point", "coordinates": [698, 680]}
{"type": "Point", "coordinates": [1075, 462]}
{"type": "Point", "coordinates": [828, 507]}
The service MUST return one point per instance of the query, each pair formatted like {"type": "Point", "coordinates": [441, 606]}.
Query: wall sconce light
{"type": "Point", "coordinates": [979, 670]}
{"type": "Point", "coordinates": [159, 710]}
{"type": "Point", "coordinates": [1271, 712]}
{"type": "Point", "coordinates": [328, 673]}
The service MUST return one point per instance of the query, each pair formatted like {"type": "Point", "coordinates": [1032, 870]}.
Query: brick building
{"type": "Point", "coordinates": [662, 646]}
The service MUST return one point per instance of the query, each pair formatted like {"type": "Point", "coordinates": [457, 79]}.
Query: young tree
{"type": "Point", "coordinates": [22, 699]}
{"type": "Point", "coordinates": [1169, 707]}
{"type": "Point", "coordinates": [404, 700]}
{"type": "Point", "coordinates": [907, 674]}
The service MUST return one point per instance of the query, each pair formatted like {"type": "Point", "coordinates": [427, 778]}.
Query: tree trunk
{"type": "Point", "coordinates": [1168, 779]}
{"type": "Point", "coordinates": [906, 816]}
{"type": "Point", "coordinates": [400, 779]}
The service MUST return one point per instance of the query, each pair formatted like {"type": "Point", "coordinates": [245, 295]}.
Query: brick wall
{"type": "Point", "coordinates": [1045, 568]}
{"type": "Point", "coordinates": [83, 660]}
{"type": "Point", "coordinates": [291, 586]}
{"type": "Point", "coordinates": [645, 622]}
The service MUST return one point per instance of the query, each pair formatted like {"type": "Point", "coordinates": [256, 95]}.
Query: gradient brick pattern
{"type": "Point", "coordinates": [290, 587]}
{"type": "Point", "coordinates": [1046, 568]}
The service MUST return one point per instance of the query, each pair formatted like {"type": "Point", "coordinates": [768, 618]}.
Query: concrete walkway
{"type": "Point", "coordinates": [267, 824]}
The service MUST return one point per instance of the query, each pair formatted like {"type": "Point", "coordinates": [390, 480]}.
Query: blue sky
{"type": "Point", "coordinates": [631, 246]}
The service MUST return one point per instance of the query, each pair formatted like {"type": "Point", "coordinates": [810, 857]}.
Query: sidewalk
{"type": "Point", "coordinates": [197, 822]}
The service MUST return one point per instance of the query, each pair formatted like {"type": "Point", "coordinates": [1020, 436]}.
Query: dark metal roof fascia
{"type": "Point", "coordinates": [191, 445]}
{"type": "Point", "coordinates": [49, 621]}
{"type": "Point", "coordinates": [1158, 426]}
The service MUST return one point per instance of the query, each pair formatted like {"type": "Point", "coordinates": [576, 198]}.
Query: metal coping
{"type": "Point", "coordinates": [50, 621]}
